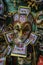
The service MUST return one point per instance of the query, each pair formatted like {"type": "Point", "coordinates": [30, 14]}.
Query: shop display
{"type": "Point", "coordinates": [21, 32]}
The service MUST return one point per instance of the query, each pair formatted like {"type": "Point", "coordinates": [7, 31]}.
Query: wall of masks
{"type": "Point", "coordinates": [21, 32]}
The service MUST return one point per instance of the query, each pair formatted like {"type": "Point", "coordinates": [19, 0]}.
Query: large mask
{"type": "Point", "coordinates": [22, 31]}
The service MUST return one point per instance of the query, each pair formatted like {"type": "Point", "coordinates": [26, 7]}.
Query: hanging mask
{"type": "Point", "coordinates": [39, 17]}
